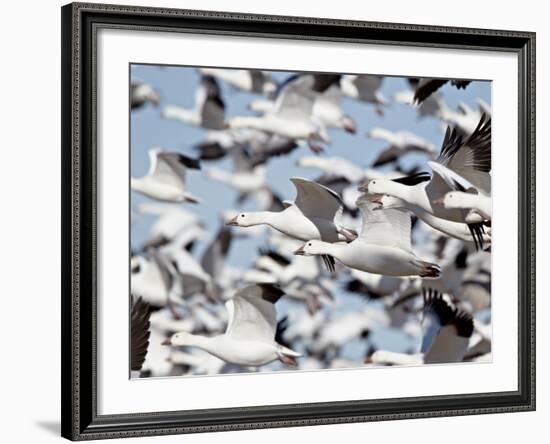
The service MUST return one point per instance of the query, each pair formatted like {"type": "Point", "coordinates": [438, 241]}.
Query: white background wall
{"type": "Point", "coordinates": [30, 221]}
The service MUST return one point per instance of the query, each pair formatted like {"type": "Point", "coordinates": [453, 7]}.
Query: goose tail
{"type": "Point", "coordinates": [428, 270]}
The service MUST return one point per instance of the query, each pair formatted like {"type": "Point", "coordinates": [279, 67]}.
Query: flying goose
{"type": "Point", "coordinates": [399, 144]}
{"type": "Point", "coordinates": [383, 246]}
{"type": "Point", "coordinates": [209, 110]}
{"type": "Point", "coordinates": [365, 88]}
{"type": "Point", "coordinates": [459, 161]}
{"type": "Point", "coordinates": [249, 80]}
{"type": "Point", "coordinates": [311, 216]}
{"type": "Point", "coordinates": [292, 116]}
{"type": "Point", "coordinates": [165, 179]}
{"type": "Point", "coordinates": [249, 339]}
{"type": "Point", "coordinates": [446, 335]}
{"type": "Point", "coordinates": [457, 230]}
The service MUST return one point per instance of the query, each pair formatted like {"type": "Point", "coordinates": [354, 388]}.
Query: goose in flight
{"type": "Point", "coordinates": [142, 93]}
{"type": "Point", "coordinates": [457, 230]}
{"type": "Point", "coordinates": [327, 107]}
{"type": "Point", "coordinates": [426, 87]}
{"type": "Point", "coordinates": [249, 80]}
{"type": "Point", "coordinates": [365, 88]}
{"type": "Point", "coordinates": [249, 339]}
{"type": "Point", "coordinates": [209, 110]}
{"type": "Point", "coordinates": [165, 179]}
{"type": "Point", "coordinates": [383, 246]}
{"type": "Point", "coordinates": [311, 216]}
{"type": "Point", "coordinates": [399, 144]}
{"type": "Point", "coordinates": [459, 162]}
{"type": "Point", "coordinates": [446, 335]}
{"type": "Point", "coordinates": [292, 114]}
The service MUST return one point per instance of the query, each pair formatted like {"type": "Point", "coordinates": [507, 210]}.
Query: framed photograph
{"type": "Point", "coordinates": [281, 221]}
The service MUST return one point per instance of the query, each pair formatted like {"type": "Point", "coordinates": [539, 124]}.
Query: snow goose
{"type": "Point", "coordinates": [249, 80]}
{"type": "Point", "coordinates": [141, 93]}
{"type": "Point", "coordinates": [383, 246]}
{"type": "Point", "coordinates": [431, 106]}
{"type": "Point", "coordinates": [374, 286]}
{"type": "Point", "coordinates": [399, 144]}
{"type": "Point", "coordinates": [246, 178]}
{"type": "Point", "coordinates": [171, 221]}
{"type": "Point", "coordinates": [465, 119]}
{"type": "Point", "coordinates": [365, 88]}
{"type": "Point", "coordinates": [258, 145]}
{"type": "Point", "coordinates": [165, 179]}
{"type": "Point", "coordinates": [426, 87]}
{"type": "Point", "coordinates": [209, 110]}
{"type": "Point", "coordinates": [327, 108]}
{"type": "Point", "coordinates": [457, 230]}
{"type": "Point", "coordinates": [300, 279]}
{"type": "Point", "coordinates": [249, 339]}
{"type": "Point", "coordinates": [446, 335]}
{"type": "Point", "coordinates": [292, 115]}
{"type": "Point", "coordinates": [333, 167]}
{"type": "Point", "coordinates": [340, 330]}
{"type": "Point", "coordinates": [458, 161]}
{"type": "Point", "coordinates": [150, 279]}
{"type": "Point", "coordinates": [311, 216]}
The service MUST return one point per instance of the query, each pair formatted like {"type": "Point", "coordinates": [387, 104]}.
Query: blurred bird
{"type": "Point", "coordinates": [209, 110]}
{"type": "Point", "coordinates": [165, 179]}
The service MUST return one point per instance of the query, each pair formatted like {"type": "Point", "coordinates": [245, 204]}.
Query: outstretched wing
{"type": "Point", "coordinates": [252, 312]}
{"type": "Point", "coordinates": [384, 227]}
{"type": "Point", "coordinates": [315, 200]}
{"type": "Point", "coordinates": [295, 98]}
{"type": "Point", "coordinates": [471, 158]}
{"type": "Point", "coordinates": [139, 333]}
{"type": "Point", "coordinates": [446, 330]}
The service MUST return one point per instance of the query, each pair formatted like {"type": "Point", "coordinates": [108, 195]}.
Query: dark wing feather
{"type": "Point", "coordinates": [414, 179]}
{"type": "Point", "coordinates": [426, 87]}
{"type": "Point", "coordinates": [139, 333]}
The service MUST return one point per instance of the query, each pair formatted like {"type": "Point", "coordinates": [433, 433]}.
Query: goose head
{"type": "Point", "coordinates": [311, 248]}
{"type": "Point", "coordinates": [388, 202]}
{"type": "Point", "coordinates": [246, 220]}
{"type": "Point", "coordinates": [181, 339]}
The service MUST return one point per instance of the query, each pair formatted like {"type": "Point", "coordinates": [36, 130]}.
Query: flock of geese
{"type": "Point", "coordinates": [347, 234]}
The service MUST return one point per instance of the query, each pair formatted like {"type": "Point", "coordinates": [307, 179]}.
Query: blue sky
{"type": "Point", "coordinates": [177, 87]}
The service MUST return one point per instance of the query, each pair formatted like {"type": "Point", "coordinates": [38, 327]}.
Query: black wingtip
{"type": "Point", "coordinates": [189, 162]}
{"type": "Point", "coordinates": [271, 292]}
{"type": "Point", "coordinates": [447, 315]}
{"type": "Point", "coordinates": [329, 263]}
{"type": "Point", "coordinates": [414, 179]}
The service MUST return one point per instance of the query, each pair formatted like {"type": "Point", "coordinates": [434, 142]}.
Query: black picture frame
{"type": "Point", "coordinates": [80, 22]}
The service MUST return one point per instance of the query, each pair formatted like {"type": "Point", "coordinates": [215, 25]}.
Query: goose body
{"type": "Point", "coordinates": [446, 335]}
{"type": "Point", "coordinates": [457, 230]}
{"type": "Point", "coordinates": [209, 109]}
{"type": "Point", "coordinates": [311, 216]}
{"type": "Point", "coordinates": [292, 114]}
{"type": "Point", "coordinates": [383, 246]}
{"type": "Point", "coordinates": [249, 339]}
{"type": "Point", "coordinates": [165, 179]}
